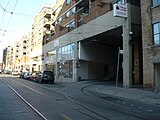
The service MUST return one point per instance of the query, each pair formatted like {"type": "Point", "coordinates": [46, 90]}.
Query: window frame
{"type": "Point", "coordinates": [68, 2]}
{"type": "Point", "coordinates": [155, 3]}
{"type": "Point", "coordinates": [156, 33]}
{"type": "Point", "coordinates": [67, 14]}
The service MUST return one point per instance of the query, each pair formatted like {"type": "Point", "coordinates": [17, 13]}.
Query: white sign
{"type": "Point", "coordinates": [121, 51]}
{"type": "Point", "coordinates": [120, 10]}
{"type": "Point", "coordinates": [56, 43]}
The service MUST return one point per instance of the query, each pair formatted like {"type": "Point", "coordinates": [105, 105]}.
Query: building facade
{"type": "Point", "coordinates": [40, 34]}
{"type": "Point", "coordinates": [82, 39]}
{"type": "Point", "coordinates": [17, 56]}
{"type": "Point", "coordinates": [150, 10]}
{"type": "Point", "coordinates": [23, 56]}
{"type": "Point", "coordinates": [9, 59]}
{"type": "Point", "coordinates": [87, 39]}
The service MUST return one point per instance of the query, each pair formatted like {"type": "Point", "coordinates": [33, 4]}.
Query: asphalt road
{"type": "Point", "coordinates": [24, 99]}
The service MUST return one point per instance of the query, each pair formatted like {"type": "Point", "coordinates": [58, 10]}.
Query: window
{"type": "Point", "coordinates": [73, 10]}
{"type": "Point", "coordinates": [121, 1]}
{"type": "Point", "coordinates": [24, 53]}
{"type": "Point", "coordinates": [67, 14]}
{"type": "Point", "coordinates": [73, 24]}
{"type": "Point", "coordinates": [67, 26]}
{"type": "Point", "coordinates": [155, 2]}
{"type": "Point", "coordinates": [67, 52]}
{"type": "Point", "coordinates": [68, 1]}
{"type": "Point", "coordinates": [156, 33]}
{"type": "Point", "coordinates": [65, 56]}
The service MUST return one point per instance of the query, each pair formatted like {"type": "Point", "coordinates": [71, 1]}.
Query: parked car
{"type": "Point", "coordinates": [22, 75]}
{"type": "Point", "coordinates": [6, 72]}
{"type": "Point", "coordinates": [35, 76]}
{"type": "Point", "coordinates": [15, 73]}
{"type": "Point", "coordinates": [27, 75]}
{"type": "Point", "coordinates": [46, 76]}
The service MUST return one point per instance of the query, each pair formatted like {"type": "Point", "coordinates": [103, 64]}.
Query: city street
{"type": "Point", "coordinates": [24, 99]}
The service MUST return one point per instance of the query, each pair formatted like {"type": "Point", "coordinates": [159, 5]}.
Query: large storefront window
{"type": "Point", "coordinates": [67, 69]}
{"type": "Point", "coordinates": [65, 57]}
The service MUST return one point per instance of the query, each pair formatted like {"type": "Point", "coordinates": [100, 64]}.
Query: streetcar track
{"type": "Point", "coordinates": [71, 100]}
{"type": "Point", "coordinates": [25, 101]}
{"type": "Point", "coordinates": [133, 112]}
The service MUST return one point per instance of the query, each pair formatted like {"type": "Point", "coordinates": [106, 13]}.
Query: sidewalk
{"type": "Point", "coordinates": [146, 96]}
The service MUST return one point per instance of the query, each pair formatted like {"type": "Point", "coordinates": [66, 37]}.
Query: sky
{"type": "Point", "coordinates": [16, 19]}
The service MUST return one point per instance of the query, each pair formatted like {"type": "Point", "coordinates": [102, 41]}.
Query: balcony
{"type": "Point", "coordinates": [46, 32]}
{"type": "Point", "coordinates": [47, 23]}
{"type": "Point", "coordinates": [47, 13]}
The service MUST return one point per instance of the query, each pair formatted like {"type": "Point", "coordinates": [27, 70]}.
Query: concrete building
{"type": "Point", "coordinates": [9, 59]}
{"type": "Point", "coordinates": [88, 37]}
{"type": "Point", "coordinates": [4, 58]}
{"type": "Point", "coordinates": [49, 53]}
{"type": "Point", "coordinates": [150, 10]}
{"type": "Point", "coordinates": [16, 57]}
{"type": "Point", "coordinates": [40, 34]}
{"type": "Point", "coordinates": [23, 56]}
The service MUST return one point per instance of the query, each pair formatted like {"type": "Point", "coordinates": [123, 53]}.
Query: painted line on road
{"type": "Point", "coordinates": [66, 117]}
{"type": "Point", "coordinates": [25, 100]}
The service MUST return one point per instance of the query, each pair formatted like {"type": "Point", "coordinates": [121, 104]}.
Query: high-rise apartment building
{"type": "Point", "coordinates": [17, 56]}
{"type": "Point", "coordinates": [150, 10]}
{"type": "Point", "coordinates": [40, 34]}
{"type": "Point", "coordinates": [23, 56]}
{"type": "Point", "coordinates": [9, 59]}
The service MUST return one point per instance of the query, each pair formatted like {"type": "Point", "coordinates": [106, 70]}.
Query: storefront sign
{"type": "Point", "coordinates": [56, 43]}
{"type": "Point", "coordinates": [120, 10]}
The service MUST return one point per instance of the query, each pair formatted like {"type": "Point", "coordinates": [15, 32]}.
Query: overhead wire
{"type": "Point", "coordinates": [10, 16]}
{"type": "Point", "coordinates": [11, 12]}
{"type": "Point", "coordinates": [4, 9]}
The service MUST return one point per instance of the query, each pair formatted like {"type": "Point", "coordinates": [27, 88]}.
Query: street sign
{"type": "Point", "coordinates": [120, 10]}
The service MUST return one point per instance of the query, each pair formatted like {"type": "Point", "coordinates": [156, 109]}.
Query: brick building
{"type": "Point", "coordinates": [150, 10]}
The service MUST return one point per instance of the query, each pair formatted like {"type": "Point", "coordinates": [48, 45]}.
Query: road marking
{"type": "Point", "coordinates": [25, 100]}
{"type": "Point", "coordinates": [66, 117]}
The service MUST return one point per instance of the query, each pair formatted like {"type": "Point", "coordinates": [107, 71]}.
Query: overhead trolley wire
{"type": "Point", "coordinates": [4, 9]}
{"type": "Point", "coordinates": [11, 12]}
{"type": "Point", "coordinates": [10, 16]}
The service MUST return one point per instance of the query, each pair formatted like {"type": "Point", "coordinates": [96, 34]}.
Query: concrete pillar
{"type": "Point", "coordinates": [127, 53]}
{"type": "Point", "coordinates": [75, 70]}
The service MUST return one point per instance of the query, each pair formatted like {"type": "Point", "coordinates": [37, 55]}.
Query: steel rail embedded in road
{"type": "Point", "coordinates": [34, 109]}
{"type": "Point", "coordinates": [73, 101]}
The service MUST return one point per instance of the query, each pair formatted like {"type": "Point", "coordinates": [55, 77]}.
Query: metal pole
{"type": "Point", "coordinates": [117, 70]}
